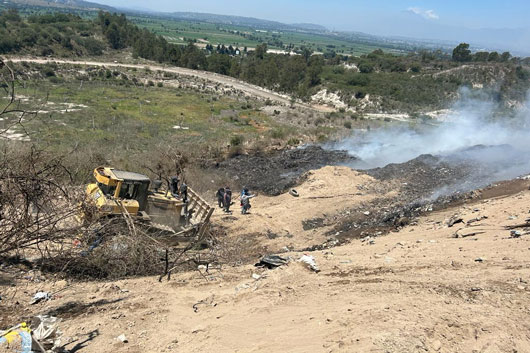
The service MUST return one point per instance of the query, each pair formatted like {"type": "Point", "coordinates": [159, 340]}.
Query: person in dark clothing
{"type": "Point", "coordinates": [184, 192]}
{"type": "Point", "coordinates": [174, 185]}
{"type": "Point", "coordinates": [227, 199]}
{"type": "Point", "coordinates": [220, 197]}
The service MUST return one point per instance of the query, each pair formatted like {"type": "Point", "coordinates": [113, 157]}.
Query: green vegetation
{"type": "Point", "coordinates": [407, 83]}
{"type": "Point", "coordinates": [200, 33]}
{"type": "Point", "coordinates": [135, 119]}
{"type": "Point", "coordinates": [48, 34]}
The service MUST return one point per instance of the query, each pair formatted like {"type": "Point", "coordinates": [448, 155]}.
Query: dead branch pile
{"type": "Point", "coordinates": [36, 205]}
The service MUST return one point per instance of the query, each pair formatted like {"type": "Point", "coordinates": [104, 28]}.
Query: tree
{"type": "Point", "coordinates": [261, 50]}
{"type": "Point", "coordinates": [481, 56]}
{"type": "Point", "coordinates": [462, 53]}
{"type": "Point", "coordinates": [505, 56]}
{"type": "Point", "coordinates": [494, 56]}
{"type": "Point", "coordinates": [306, 53]}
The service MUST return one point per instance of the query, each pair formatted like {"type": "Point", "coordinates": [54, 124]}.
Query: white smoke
{"type": "Point", "coordinates": [472, 121]}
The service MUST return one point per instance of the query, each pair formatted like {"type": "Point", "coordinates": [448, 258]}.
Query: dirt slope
{"type": "Point", "coordinates": [416, 290]}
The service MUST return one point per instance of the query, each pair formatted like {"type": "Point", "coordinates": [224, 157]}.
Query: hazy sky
{"type": "Point", "coordinates": [375, 15]}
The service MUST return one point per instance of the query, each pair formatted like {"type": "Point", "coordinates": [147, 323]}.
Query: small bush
{"type": "Point", "coordinates": [236, 140]}
{"type": "Point", "coordinates": [278, 133]}
{"type": "Point", "coordinates": [160, 84]}
{"type": "Point", "coordinates": [347, 124]}
{"type": "Point", "coordinates": [293, 141]}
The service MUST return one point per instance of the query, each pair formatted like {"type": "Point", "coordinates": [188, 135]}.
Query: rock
{"type": "Point", "coordinates": [437, 345]}
{"type": "Point", "coordinates": [476, 289]}
{"type": "Point", "coordinates": [122, 338]}
{"type": "Point", "coordinates": [521, 287]}
{"type": "Point", "coordinates": [371, 242]}
{"type": "Point", "coordinates": [366, 213]}
{"type": "Point", "coordinates": [455, 219]}
{"type": "Point", "coordinates": [256, 276]}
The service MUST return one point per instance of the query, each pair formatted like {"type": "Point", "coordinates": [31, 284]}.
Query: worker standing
{"type": "Point", "coordinates": [184, 192]}
{"type": "Point", "coordinates": [227, 201]}
{"type": "Point", "coordinates": [245, 202]}
{"type": "Point", "coordinates": [220, 194]}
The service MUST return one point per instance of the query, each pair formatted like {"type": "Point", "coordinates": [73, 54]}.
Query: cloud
{"type": "Point", "coordinates": [428, 14]}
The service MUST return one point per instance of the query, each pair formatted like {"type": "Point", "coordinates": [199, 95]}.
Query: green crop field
{"type": "Point", "coordinates": [180, 31]}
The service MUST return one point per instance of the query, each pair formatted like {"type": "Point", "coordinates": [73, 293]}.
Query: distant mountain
{"type": "Point", "coordinates": [242, 21]}
{"type": "Point", "coordinates": [66, 4]}
{"type": "Point", "coordinates": [310, 27]}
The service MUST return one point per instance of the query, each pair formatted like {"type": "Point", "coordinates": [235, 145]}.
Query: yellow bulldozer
{"type": "Point", "coordinates": [177, 212]}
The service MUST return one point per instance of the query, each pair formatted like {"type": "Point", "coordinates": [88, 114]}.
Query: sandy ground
{"type": "Point", "coordinates": [326, 192]}
{"type": "Point", "coordinates": [247, 88]}
{"type": "Point", "coordinates": [416, 290]}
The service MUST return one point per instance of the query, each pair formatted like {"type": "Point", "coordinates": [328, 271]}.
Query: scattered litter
{"type": "Point", "coordinates": [256, 276]}
{"type": "Point", "coordinates": [515, 234]}
{"type": "Point", "coordinates": [310, 261]}
{"type": "Point", "coordinates": [122, 338]}
{"type": "Point", "coordinates": [457, 235]}
{"type": "Point", "coordinates": [17, 336]}
{"type": "Point", "coordinates": [476, 289]}
{"type": "Point", "coordinates": [479, 259]}
{"type": "Point", "coordinates": [294, 193]}
{"type": "Point", "coordinates": [178, 127]}
{"type": "Point", "coordinates": [40, 296]}
{"type": "Point", "coordinates": [272, 261]}
{"type": "Point", "coordinates": [47, 332]}
{"type": "Point", "coordinates": [366, 213]}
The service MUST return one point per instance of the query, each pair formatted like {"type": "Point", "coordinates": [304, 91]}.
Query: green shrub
{"type": "Point", "coordinates": [293, 141]}
{"type": "Point", "coordinates": [236, 140]}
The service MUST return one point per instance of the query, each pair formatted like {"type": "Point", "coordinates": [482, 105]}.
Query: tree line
{"type": "Point", "coordinates": [293, 74]}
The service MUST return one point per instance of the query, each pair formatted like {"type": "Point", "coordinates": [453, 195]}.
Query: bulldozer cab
{"type": "Point", "coordinates": [123, 185]}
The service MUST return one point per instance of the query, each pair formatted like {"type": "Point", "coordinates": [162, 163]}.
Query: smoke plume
{"type": "Point", "coordinates": [473, 132]}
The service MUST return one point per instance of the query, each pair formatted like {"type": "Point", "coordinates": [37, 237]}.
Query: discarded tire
{"type": "Point", "coordinates": [294, 193]}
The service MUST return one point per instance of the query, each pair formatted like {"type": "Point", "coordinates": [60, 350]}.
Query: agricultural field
{"type": "Point", "coordinates": [180, 32]}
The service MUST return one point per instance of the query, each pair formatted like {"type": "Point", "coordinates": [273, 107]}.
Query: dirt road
{"type": "Point", "coordinates": [416, 290]}
{"type": "Point", "coordinates": [249, 89]}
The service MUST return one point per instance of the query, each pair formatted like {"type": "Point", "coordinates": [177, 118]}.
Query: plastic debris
{"type": "Point", "coordinates": [18, 336]}
{"type": "Point", "coordinates": [122, 338]}
{"type": "Point", "coordinates": [40, 296]}
{"type": "Point", "coordinates": [272, 261]}
{"type": "Point", "coordinates": [47, 332]}
{"type": "Point", "coordinates": [310, 261]}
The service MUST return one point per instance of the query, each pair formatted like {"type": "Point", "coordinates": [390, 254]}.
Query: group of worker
{"type": "Point", "coordinates": [224, 199]}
